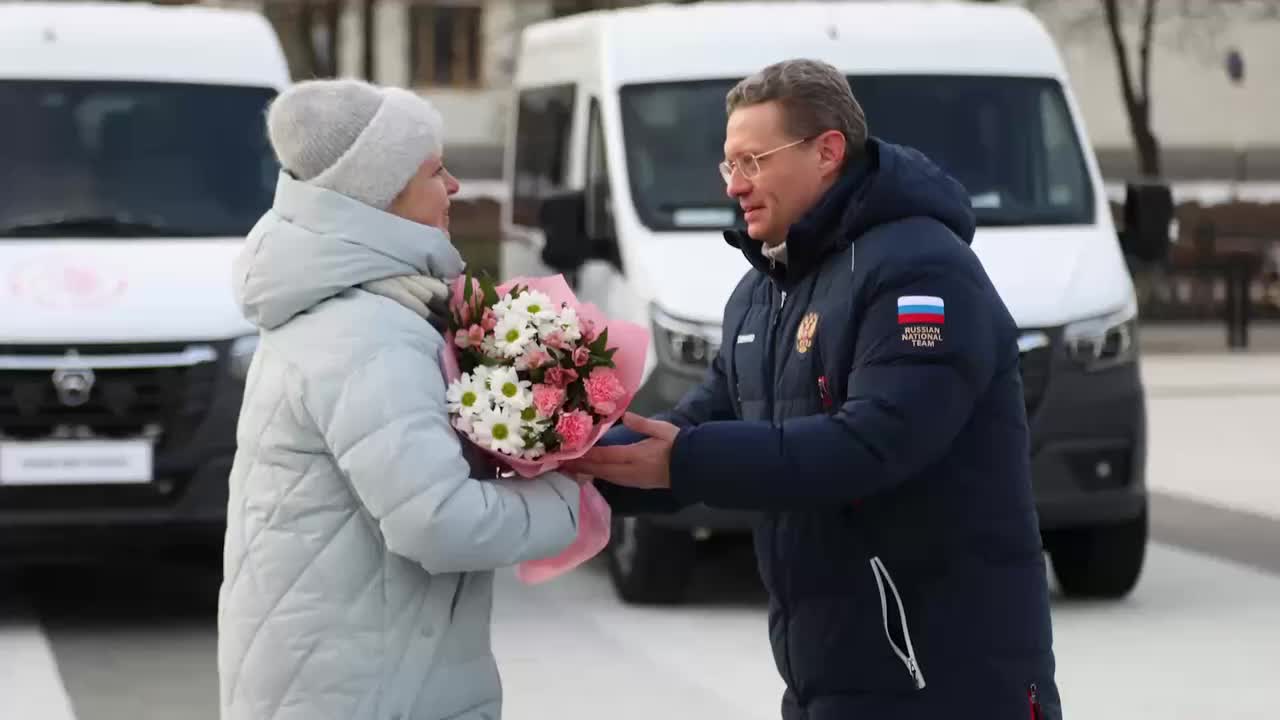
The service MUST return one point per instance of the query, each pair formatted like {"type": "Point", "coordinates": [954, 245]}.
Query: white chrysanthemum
{"type": "Point", "coordinates": [467, 396]}
{"type": "Point", "coordinates": [511, 335]}
{"type": "Point", "coordinates": [531, 425]}
{"type": "Point", "coordinates": [508, 390]}
{"type": "Point", "coordinates": [569, 324]}
{"type": "Point", "coordinates": [499, 430]}
{"type": "Point", "coordinates": [505, 307]}
{"type": "Point", "coordinates": [534, 305]}
{"type": "Point", "coordinates": [480, 376]}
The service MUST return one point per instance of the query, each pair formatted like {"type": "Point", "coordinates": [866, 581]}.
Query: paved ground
{"type": "Point", "coordinates": [1200, 638]}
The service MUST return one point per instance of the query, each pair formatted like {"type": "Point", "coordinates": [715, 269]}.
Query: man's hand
{"type": "Point", "coordinates": [644, 465]}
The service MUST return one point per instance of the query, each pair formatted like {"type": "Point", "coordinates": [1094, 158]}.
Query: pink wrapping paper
{"type": "Point", "coordinates": [594, 516]}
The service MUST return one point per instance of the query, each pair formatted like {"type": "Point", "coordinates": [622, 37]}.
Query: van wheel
{"type": "Point", "coordinates": [1103, 561]}
{"type": "Point", "coordinates": [649, 564]}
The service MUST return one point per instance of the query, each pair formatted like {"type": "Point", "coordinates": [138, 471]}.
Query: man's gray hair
{"type": "Point", "coordinates": [814, 95]}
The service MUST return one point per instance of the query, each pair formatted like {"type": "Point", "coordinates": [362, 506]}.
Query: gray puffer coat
{"type": "Point", "coordinates": [359, 548]}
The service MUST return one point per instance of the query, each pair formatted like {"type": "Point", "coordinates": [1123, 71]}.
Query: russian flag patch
{"type": "Point", "coordinates": [921, 309]}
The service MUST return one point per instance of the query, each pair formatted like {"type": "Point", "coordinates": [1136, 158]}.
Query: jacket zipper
{"type": "Point", "coordinates": [1033, 697]}
{"type": "Point", "coordinates": [770, 371]}
{"type": "Point", "coordinates": [769, 387]}
{"type": "Point", "coordinates": [908, 654]}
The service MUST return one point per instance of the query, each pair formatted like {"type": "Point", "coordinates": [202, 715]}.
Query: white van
{"type": "Point", "coordinates": [612, 179]}
{"type": "Point", "coordinates": [133, 160]}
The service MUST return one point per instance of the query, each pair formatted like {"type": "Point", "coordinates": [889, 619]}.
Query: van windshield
{"type": "Point", "coordinates": [1009, 140]}
{"type": "Point", "coordinates": [130, 159]}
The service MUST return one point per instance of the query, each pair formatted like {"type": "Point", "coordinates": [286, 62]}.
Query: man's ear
{"type": "Point", "coordinates": [831, 151]}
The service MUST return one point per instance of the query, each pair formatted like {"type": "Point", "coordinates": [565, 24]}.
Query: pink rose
{"type": "Point", "coordinates": [461, 306]}
{"type": "Point", "coordinates": [555, 339]}
{"type": "Point", "coordinates": [604, 389]}
{"type": "Point", "coordinates": [471, 337]}
{"type": "Point", "coordinates": [560, 377]}
{"type": "Point", "coordinates": [581, 356]}
{"type": "Point", "coordinates": [490, 320]}
{"type": "Point", "coordinates": [574, 428]}
{"type": "Point", "coordinates": [534, 357]}
{"type": "Point", "coordinates": [588, 329]}
{"type": "Point", "coordinates": [548, 399]}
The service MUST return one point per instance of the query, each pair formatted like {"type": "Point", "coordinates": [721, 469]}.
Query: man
{"type": "Point", "coordinates": [867, 401]}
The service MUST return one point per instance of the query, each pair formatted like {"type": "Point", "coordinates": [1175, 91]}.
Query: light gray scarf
{"type": "Point", "coordinates": [425, 295]}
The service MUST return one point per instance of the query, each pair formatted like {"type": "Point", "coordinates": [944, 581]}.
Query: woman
{"type": "Point", "coordinates": [360, 547]}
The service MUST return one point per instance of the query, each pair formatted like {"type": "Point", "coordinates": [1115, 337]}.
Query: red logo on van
{"type": "Point", "coordinates": [61, 284]}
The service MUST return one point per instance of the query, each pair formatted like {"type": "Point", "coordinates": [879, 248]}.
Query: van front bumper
{"type": "Point", "coordinates": [185, 504]}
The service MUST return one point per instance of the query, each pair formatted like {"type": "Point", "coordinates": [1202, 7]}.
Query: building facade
{"type": "Point", "coordinates": [461, 53]}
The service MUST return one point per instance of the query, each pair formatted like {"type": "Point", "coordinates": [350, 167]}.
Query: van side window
{"type": "Point", "coordinates": [544, 118]}
{"type": "Point", "coordinates": [599, 198]}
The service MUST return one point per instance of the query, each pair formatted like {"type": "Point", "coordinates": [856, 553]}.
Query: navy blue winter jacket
{"type": "Point", "coordinates": [867, 401]}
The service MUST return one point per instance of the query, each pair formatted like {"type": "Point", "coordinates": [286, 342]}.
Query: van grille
{"type": "Point", "coordinates": [167, 402]}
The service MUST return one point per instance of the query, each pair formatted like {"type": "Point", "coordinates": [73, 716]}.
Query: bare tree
{"type": "Point", "coordinates": [320, 30]}
{"type": "Point", "coordinates": [368, 16]}
{"type": "Point", "coordinates": [1203, 22]}
{"type": "Point", "coordinates": [1137, 99]}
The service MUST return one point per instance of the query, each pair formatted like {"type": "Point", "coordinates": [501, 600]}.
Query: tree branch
{"type": "Point", "coordinates": [1122, 54]}
{"type": "Point", "coordinates": [1144, 54]}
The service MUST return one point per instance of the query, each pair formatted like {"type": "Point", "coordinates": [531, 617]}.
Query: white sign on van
{"type": "Point", "coordinates": [703, 217]}
{"type": "Point", "coordinates": [77, 462]}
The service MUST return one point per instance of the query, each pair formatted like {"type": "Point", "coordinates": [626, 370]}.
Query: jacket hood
{"type": "Point", "coordinates": [315, 243]}
{"type": "Point", "coordinates": [891, 183]}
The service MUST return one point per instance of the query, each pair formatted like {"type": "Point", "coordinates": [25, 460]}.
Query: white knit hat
{"type": "Point", "coordinates": [357, 139]}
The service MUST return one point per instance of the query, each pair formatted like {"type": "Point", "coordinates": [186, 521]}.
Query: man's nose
{"type": "Point", "coordinates": [451, 183]}
{"type": "Point", "coordinates": [738, 185]}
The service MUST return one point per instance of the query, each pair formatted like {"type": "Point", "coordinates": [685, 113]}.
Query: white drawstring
{"type": "Point", "coordinates": [908, 658]}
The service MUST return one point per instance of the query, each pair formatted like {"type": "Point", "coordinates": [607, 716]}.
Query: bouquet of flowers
{"type": "Point", "coordinates": [535, 378]}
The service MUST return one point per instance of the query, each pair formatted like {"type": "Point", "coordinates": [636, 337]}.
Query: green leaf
{"type": "Point", "coordinates": [550, 439]}
{"type": "Point", "coordinates": [490, 292]}
{"type": "Point", "coordinates": [601, 342]}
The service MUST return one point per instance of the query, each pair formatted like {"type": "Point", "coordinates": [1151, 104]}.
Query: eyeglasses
{"type": "Point", "coordinates": [749, 165]}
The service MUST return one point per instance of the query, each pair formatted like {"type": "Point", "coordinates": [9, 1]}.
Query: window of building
{"type": "Point", "coordinates": [444, 45]}
{"type": "Point", "coordinates": [544, 120]}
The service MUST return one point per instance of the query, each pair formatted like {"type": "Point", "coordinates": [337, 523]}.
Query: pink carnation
{"type": "Point", "coordinates": [548, 399]}
{"type": "Point", "coordinates": [560, 377]}
{"type": "Point", "coordinates": [581, 356]}
{"type": "Point", "coordinates": [604, 389]}
{"type": "Point", "coordinates": [574, 429]}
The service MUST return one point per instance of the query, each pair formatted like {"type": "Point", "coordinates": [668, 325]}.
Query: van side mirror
{"type": "Point", "coordinates": [1148, 214]}
{"type": "Point", "coordinates": [562, 218]}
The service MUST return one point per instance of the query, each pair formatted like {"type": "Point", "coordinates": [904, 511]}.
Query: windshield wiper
{"type": "Point", "coordinates": [94, 226]}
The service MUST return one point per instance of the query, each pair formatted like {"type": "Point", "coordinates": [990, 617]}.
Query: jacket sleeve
{"type": "Point", "coordinates": [913, 387]}
{"type": "Point", "coordinates": [708, 401]}
{"type": "Point", "coordinates": [390, 432]}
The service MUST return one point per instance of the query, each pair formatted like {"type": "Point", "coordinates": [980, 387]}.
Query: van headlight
{"type": "Point", "coordinates": [242, 350]}
{"type": "Point", "coordinates": [1105, 341]}
{"type": "Point", "coordinates": [684, 345]}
